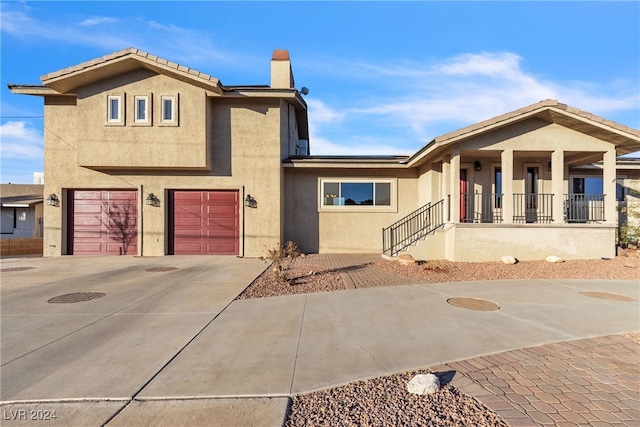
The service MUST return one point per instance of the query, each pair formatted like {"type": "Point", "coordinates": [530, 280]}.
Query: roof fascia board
{"type": "Point", "coordinates": [16, 205]}
{"type": "Point", "coordinates": [36, 90]}
{"type": "Point", "coordinates": [292, 96]}
{"type": "Point", "coordinates": [604, 124]}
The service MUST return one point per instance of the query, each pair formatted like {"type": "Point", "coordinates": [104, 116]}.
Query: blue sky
{"type": "Point", "coordinates": [384, 77]}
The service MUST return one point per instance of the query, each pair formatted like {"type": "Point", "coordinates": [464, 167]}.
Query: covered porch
{"type": "Point", "coordinates": [529, 187]}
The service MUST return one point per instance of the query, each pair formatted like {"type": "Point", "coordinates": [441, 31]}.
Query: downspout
{"type": "Point", "coordinates": [141, 234]}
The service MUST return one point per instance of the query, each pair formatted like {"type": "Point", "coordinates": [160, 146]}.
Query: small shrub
{"type": "Point", "coordinates": [282, 257]}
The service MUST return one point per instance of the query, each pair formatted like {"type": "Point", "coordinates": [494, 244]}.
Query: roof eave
{"type": "Point", "coordinates": [35, 90]}
{"type": "Point", "coordinates": [69, 79]}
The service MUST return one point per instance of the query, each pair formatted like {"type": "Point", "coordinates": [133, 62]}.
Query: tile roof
{"type": "Point", "coordinates": [131, 51]}
{"type": "Point", "coordinates": [531, 108]}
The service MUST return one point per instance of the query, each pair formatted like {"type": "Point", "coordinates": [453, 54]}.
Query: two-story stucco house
{"type": "Point", "coordinates": [150, 157]}
{"type": "Point", "coordinates": [153, 158]}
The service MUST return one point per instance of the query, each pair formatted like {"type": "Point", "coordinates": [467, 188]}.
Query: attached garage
{"type": "Point", "coordinates": [204, 223]}
{"type": "Point", "coordinates": [103, 222]}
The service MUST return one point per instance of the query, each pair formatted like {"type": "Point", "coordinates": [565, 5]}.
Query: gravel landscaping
{"type": "Point", "coordinates": [304, 279]}
{"type": "Point", "coordinates": [309, 276]}
{"type": "Point", "coordinates": [385, 401]}
{"type": "Point", "coordinates": [619, 268]}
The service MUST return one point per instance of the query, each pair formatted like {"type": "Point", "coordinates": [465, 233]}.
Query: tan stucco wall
{"type": "Point", "coordinates": [327, 232]}
{"type": "Point", "coordinates": [480, 242]}
{"type": "Point", "coordinates": [102, 145]}
{"type": "Point", "coordinates": [244, 136]}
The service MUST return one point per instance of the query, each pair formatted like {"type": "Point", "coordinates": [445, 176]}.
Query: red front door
{"type": "Point", "coordinates": [463, 196]}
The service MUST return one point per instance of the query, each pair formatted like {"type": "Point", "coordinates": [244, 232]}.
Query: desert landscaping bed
{"type": "Point", "coordinates": [384, 401]}
{"type": "Point", "coordinates": [619, 268]}
{"type": "Point", "coordinates": [307, 278]}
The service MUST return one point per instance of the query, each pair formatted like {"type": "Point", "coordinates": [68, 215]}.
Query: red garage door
{"type": "Point", "coordinates": [103, 222]}
{"type": "Point", "coordinates": [204, 222]}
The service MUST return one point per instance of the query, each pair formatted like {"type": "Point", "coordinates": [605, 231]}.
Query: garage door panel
{"type": "Point", "coordinates": [196, 196]}
{"type": "Point", "coordinates": [87, 222]}
{"type": "Point", "coordinates": [205, 222]}
{"type": "Point", "coordinates": [121, 195]}
{"type": "Point", "coordinates": [87, 195]}
{"type": "Point", "coordinates": [103, 222]}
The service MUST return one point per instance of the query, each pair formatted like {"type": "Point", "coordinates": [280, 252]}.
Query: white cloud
{"type": "Point", "coordinates": [424, 100]}
{"type": "Point", "coordinates": [97, 20]}
{"type": "Point", "coordinates": [191, 47]}
{"type": "Point", "coordinates": [20, 141]}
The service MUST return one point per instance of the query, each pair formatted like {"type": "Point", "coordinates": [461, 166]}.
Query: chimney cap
{"type": "Point", "coordinates": [280, 55]}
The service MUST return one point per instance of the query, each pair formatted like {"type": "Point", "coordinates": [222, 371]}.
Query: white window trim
{"type": "Point", "coordinates": [147, 119]}
{"type": "Point", "coordinates": [358, 208]}
{"type": "Point", "coordinates": [120, 119]}
{"type": "Point", "coordinates": [174, 110]}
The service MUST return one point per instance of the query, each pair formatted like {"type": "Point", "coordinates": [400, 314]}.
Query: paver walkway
{"type": "Point", "coordinates": [358, 271]}
{"type": "Point", "coordinates": [590, 382]}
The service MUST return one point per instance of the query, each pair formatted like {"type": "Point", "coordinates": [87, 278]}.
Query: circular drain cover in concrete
{"type": "Point", "coordinates": [158, 269]}
{"type": "Point", "coordinates": [606, 295]}
{"type": "Point", "coordinates": [476, 304]}
{"type": "Point", "coordinates": [4, 270]}
{"type": "Point", "coordinates": [76, 297]}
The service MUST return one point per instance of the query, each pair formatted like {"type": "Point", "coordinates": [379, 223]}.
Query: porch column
{"type": "Point", "coordinates": [609, 186]}
{"type": "Point", "coordinates": [506, 160]}
{"type": "Point", "coordinates": [455, 186]}
{"type": "Point", "coordinates": [445, 182]}
{"type": "Point", "coordinates": [557, 185]}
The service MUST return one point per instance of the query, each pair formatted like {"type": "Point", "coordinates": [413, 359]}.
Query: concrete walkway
{"type": "Point", "coordinates": [238, 365]}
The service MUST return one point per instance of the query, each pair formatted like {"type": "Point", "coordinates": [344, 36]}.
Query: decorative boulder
{"type": "Point", "coordinates": [423, 384]}
{"type": "Point", "coordinates": [406, 259]}
{"type": "Point", "coordinates": [553, 258]}
{"type": "Point", "coordinates": [509, 259]}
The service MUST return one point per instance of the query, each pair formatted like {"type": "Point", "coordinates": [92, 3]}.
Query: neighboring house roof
{"type": "Point", "coordinates": [20, 195]}
{"type": "Point", "coordinates": [626, 139]}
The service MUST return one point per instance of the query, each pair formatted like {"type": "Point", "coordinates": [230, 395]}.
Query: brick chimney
{"type": "Point", "coordinates": [281, 73]}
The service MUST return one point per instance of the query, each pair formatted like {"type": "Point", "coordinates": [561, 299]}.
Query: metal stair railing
{"type": "Point", "coordinates": [413, 227]}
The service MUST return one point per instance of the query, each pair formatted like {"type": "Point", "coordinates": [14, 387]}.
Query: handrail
{"type": "Point", "coordinates": [412, 228]}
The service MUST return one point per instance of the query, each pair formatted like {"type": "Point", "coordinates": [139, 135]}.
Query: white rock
{"type": "Point", "coordinates": [406, 259]}
{"type": "Point", "coordinates": [423, 384]}
{"type": "Point", "coordinates": [553, 258]}
{"type": "Point", "coordinates": [509, 259]}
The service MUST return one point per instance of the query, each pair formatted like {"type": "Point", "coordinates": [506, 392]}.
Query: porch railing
{"type": "Point", "coordinates": [481, 207]}
{"type": "Point", "coordinates": [583, 208]}
{"type": "Point", "coordinates": [415, 226]}
{"type": "Point", "coordinates": [532, 208]}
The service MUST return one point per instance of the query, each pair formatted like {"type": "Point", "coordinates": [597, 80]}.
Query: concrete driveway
{"type": "Point", "coordinates": [107, 348]}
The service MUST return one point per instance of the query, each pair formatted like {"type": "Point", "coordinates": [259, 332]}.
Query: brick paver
{"type": "Point", "coordinates": [601, 388]}
{"type": "Point", "coordinates": [590, 382]}
{"type": "Point", "coordinates": [357, 270]}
